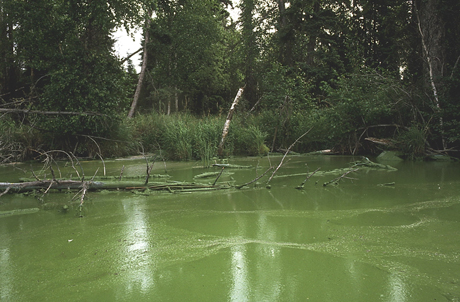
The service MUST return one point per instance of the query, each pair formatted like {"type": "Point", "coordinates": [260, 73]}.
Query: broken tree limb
{"type": "Point", "coordinates": [255, 179]}
{"type": "Point", "coordinates": [218, 176]}
{"type": "Point", "coordinates": [131, 55]}
{"type": "Point", "coordinates": [229, 118]}
{"type": "Point", "coordinates": [308, 177]}
{"type": "Point", "coordinates": [287, 151]}
{"type": "Point", "coordinates": [149, 169]}
{"type": "Point", "coordinates": [336, 180]}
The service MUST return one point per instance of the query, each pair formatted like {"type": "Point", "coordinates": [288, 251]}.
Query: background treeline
{"type": "Point", "coordinates": [353, 71]}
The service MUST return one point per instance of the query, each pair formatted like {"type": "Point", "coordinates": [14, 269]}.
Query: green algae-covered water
{"type": "Point", "coordinates": [358, 241]}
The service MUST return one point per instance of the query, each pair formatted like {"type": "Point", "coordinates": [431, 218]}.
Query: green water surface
{"type": "Point", "coordinates": [358, 241]}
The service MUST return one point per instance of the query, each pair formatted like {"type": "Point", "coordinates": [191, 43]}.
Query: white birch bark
{"type": "Point", "coordinates": [229, 118]}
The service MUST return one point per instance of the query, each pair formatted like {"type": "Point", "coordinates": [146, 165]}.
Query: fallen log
{"type": "Point", "coordinates": [230, 166]}
{"type": "Point", "coordinates": [107, 178]}
{"type": "Point", "coordinates": [211, 174]}
{"type": "Point", "coordinates": [180, 187]}
{"type": "Point", "coordinates": [49, 184]}
{"type": "Point", "coordinates": [97, 185]}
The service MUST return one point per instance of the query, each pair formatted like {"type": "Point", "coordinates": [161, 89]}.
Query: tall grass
{"type": "Point", "coordinates": [206, 139]}
{"type": "Point", "coordinates": [186, 137]}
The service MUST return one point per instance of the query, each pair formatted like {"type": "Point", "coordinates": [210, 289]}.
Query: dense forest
{"type": "Point", "coordinates": [361, 75]}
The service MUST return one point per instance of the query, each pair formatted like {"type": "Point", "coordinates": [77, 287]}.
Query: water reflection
{"type": "Point", "coordinates": [138, 264]}
{"type": "Point", "coordinates": [6, 274]}
{"type": "Point", "coordinates": [355, 242]}
{"type": "Point", "coordinates": [398, 292]}
{"type": "Point", "coordinates": [239, 271]}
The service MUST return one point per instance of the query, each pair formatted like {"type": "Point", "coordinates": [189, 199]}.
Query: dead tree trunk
{"type": "Point", "coordinates": [431, 33]}
{"type": "Point", "coordinates": [143, 68]}
{"type": "Point", "coordinates": [229, 118]}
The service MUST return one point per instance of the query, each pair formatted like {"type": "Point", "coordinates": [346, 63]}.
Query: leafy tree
{"type": "Point", "coordinates": [188, 51]}
{"type": "Point", "coordinates": [63, 55]}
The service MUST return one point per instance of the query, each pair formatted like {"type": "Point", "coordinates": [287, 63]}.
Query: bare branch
{"type": "Point", "coordinates": [255, 179]}
{"type": "Point", "coordinates": [285, 154]}
{"type": "Point", "coordinates": [336, 180]}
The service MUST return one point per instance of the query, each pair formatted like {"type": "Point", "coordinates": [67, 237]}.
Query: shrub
{"type": "Point", "coordinates": [412, 143]}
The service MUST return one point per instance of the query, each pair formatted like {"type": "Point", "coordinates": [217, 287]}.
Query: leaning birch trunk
{"type": "Point", "coordinates": [427, 45]}
{"type": "Point", "coordinates": [143, 68]}
{"type": "Point", "coordinates": [229, 118]}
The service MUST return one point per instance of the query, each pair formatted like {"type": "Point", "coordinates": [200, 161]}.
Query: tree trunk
{"type": "Point", "coordinates": [229, 118]}
{"type": "Point", "coordinates": [143, 68]}
{"type": "Point", "coordinates": [286, 35]}
{"type": "Point", "coordinates": [176, 99]}
{"type": "Point", "coordinates": [432, 35]}
{"type": "Point", "coordinates": [312, 37]}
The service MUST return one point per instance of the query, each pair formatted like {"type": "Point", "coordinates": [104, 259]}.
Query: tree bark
{"type": "Point", "coordinates": [229, 118]}
{"type": "Point", "coordinates": [432, 35]}
{"type": "Point", "coordinates": [143, 68]}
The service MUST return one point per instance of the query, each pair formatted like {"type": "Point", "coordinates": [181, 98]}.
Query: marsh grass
{"type": "Point", "coordinates": [187, 137]}
{"type": "Point", "coordinates": [412, 143]}
{"type": "Point", "coordinates": [207, 134]}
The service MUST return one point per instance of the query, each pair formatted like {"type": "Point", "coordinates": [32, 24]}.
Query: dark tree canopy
{"type": "Point", "coordinates": [334, 61]}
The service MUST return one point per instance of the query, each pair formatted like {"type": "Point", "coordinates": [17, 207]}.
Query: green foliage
{"type": "Point", "coordinates": [188, 54]}
{"type": "Point", "coordinates": [13, 139]}
{"type": "Point", "coordinates": [62, 59]}
{"type": "Point", "coordinates": [248, 140]}
{"type": "Point", "coordinates": [412, 142]}
{"type": "Point", "coordinates": [207, 135]}
{"type": "Point", "coordinates": [186, 137]}
{"type": "Point", "coordinates": [363, 101]}
{"type": "Point", "coordinates": [280, 82]}
{"type": "Point", "coordinates": [346, 70]}
{"type": "Point", "coordinates": [177, 139]}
